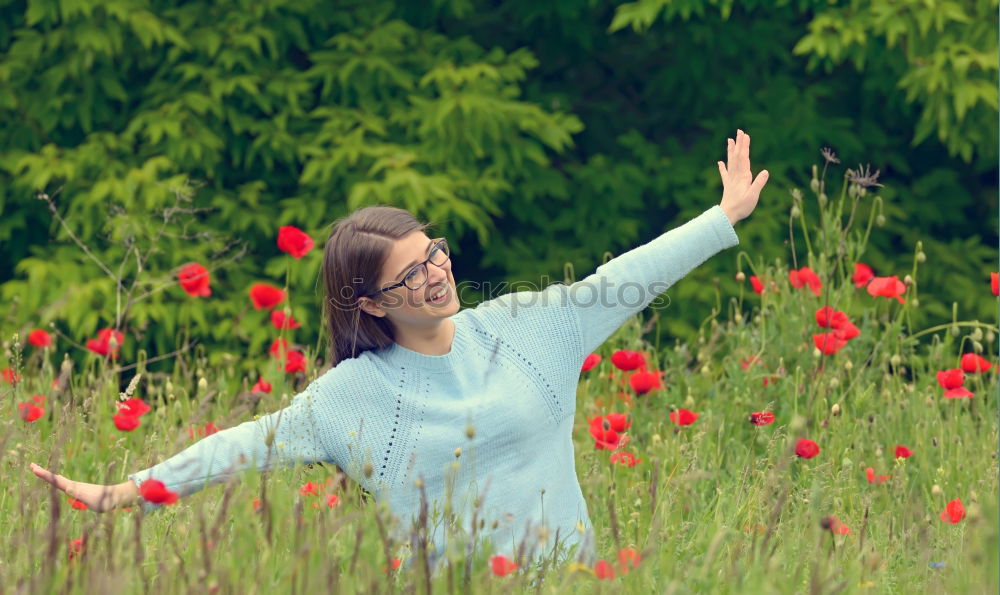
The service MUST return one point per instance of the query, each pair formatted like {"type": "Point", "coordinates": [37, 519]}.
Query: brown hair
{"type": "Point", "coordinates": [358, 247]}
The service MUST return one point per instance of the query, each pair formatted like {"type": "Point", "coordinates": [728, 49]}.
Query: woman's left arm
{"type": "Point", "coordinates": [625, 285]}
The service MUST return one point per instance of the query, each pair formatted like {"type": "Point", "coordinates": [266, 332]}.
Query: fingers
{"type": "Point", "coordinates": [58, 481]}
{"type": "Point", "coordinates": [730, 153]}
{"type": "Point", "coordinates": [758, 184]}
{"type": "Point", "coordinates": [722, 172]}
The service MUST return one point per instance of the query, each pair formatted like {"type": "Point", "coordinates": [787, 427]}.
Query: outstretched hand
{"type": "Point", "coordinates": [740, 190]}
{"type": "Point", "coordinates": [99, 498]}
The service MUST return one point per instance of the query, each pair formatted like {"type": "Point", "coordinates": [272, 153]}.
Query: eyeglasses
{"type": "Point", "coordinates": [416, 277]}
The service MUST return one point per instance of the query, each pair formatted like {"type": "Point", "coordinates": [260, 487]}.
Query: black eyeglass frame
{"type": "Point", "coordinates": [427, 274]}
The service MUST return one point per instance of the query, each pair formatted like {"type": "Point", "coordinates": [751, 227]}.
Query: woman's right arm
{"type": "Point", "coordinates": [283, 438]}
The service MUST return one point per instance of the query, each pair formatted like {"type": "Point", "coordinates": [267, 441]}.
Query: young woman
{"type": "Point", "coordinates": [421, 391]}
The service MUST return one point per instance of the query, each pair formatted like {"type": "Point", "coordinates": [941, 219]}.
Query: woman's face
{"type": "Point", "coordinates": [413, 307]}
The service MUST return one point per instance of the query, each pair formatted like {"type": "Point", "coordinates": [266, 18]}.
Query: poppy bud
{"type": "Point", "coordinates": [990, 337]}
{"type": "Point", "coordinates": [936, 490]}
{"type": "Point", "coordinates": [955, 331]}
{"type": "Point", "coordinates": [202, 383]}
{"type": "Point", "coordinates": [974, 496]}
{"type": "Point", "coordinates": [495, 524]}
{"type": "Point", "coordinates": [895, 360]}
{"type": "Point", "coordinates": [835, 410]}
{"type": "Point", "coordinates": [169, 387]}
{"type": "Point", "coordinates": [880, 220]}
{"type": "Point", "coordinates": [814, 184]}
{"type": "Point", "coordinates": [834, 383]}
{"type": "Point", "coordinates": [921, 257]}
{"type": "Point", "coordinates": [848, 365]}
{"type": "Point", "coordinates": [908, 280]}
{"type": "Point", "coordinates": [470, 431]}
{"type": "Point", "coordinates": [852, 191]}
{"type": "Point", "coordinates": [977, 335]}
{"type": "Point", "coordinates": [862, 192]}
{"type": "Point", "coordinates": [418, 483]}
{"type": "Point", "coordinates": [914, 302]}
{"type": "Point", "coordinates": [657, 439]}
{"type": "Point", "coordinates": [738, 318]}
{"type": "Point", "coordinates": [822, 199]}
{"type": "Point", "coordinates": [796, 194]}
{"type": "Point", "coordinates": [458, 452]}
{"type": "Point", "coordinates": [796, 212]}
{"type": "Point", "coordinates": [977, 346]}
{"type": "Point", "coordinates": [269, 439]}
{"type": "Point", "coordinates": [741, 277]}
{"type": "Point", "coordinates": [705, 371]}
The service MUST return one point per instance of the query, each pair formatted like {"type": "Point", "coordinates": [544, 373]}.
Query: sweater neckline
{"type": "Point", "coordinates": [398, 355]}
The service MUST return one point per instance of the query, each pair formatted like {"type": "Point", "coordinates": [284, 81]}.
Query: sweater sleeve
{"type": "Point", "coordinates": [626, 284]}
{"type": "Point", "coordinates": [283, 438]}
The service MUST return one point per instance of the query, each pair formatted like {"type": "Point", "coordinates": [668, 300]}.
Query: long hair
{"type": "Point", "coordinates": [358, 247]}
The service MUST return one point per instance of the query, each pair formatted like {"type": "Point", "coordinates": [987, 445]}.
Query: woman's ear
{"type": "Point", "coordinates": [368, 305]}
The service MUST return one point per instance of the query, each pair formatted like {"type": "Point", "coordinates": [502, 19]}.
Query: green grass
{"type": "Point", "coordinates": [719, 506]}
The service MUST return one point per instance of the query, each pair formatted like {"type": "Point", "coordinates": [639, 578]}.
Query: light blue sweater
{"type": "Point", "coordinates": [511, 375]}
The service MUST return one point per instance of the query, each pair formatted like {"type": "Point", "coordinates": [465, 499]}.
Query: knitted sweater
{"type": "Point", "coordinates": [511, 376]}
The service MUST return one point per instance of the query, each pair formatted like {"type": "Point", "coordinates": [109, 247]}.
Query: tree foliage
{"type": "Point", "coordinates": [536, 134]}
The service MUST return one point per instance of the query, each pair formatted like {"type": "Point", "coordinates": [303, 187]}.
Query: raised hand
{"type": "Point", "coordinates": [740, 190]}
{"type": "Point", "coordinates": [99, 498]}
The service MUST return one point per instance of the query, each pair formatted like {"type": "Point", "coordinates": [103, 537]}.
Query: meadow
{"type": "Point", "coordinates": [810, 440]}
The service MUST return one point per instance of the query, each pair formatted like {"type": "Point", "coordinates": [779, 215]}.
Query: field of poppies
{"type": "Point", "coordinates": [810, 439]}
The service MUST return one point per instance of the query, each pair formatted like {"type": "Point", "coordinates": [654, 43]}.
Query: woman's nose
{"type": "Point", "coordinates": [436, 273]}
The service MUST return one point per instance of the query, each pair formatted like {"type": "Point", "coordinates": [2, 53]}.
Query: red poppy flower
{"type": "Point", "coordinates": [746, 363]}
{"type": "Point", "coordinates": [903, 453]}
{"type": "Point", "coordinates": [261, 387]}
{"type": "Point", "coordinates": [954, 512]}
{"type": "Point", "coordinates": [827, 317]}
{"type": "Point", "coordinates": [266, 296]}
{"type": "Point", "coordinates": [29, 412]}
{"type": "Point", "coordinates": [501, 566]}
{"type": "Point", "coordinates": [974, 364]}
{"type": "Point", "coordinates": [756, 284]}
{"type": "Point", "coordinates": [995, 283]}
{"type": "Point", "coordinates": [76, 547]}
{"type": "Point", "coordinates": [76, 504]}
{"type": "Point", "coordinates": [153, 490]}
{"type": "Point", "coordinates": [38, 400]}
{"type": "Point", "coordinates": [279, 320]}
{"type": "Point", "coordinates": [628, 559]}
{"type": "Point", "coordinates": [806, 449]}
{"type": "Point", "coordinates": [209, 429]}
{"type": "Point", "coordinates": [862, 274]}
{"type": "Point", "coordinates": [875, 479]}
{"type": "Point", "coordinates": [39, 338]}
{"type": "Point", "coordinates": [835, 526]}
{"type": "Point", "coordinates": [295, 362]}
{"type": "Point", "coordinates": [643, 382]}
{"type": "Point", "coordinates": [625, 458]}
{"type": "Point", "coordinates": [194, 280]}
{"type": "Point", "coordinates": [828, 343]}
{"type": "Point", "coordinates": [949, 379]}
{"type": "Point", "coordinates": [887, 287]}
{"type": "Point", "coordinates": [762, 418]}
{"type": "Point", "coordinates": [805, 277]}
{"type": "Point", "coordinates": [332, 500]}
{"type": "Point", "coordinates": [309, 489]}
{"type": "Point", "coordinates": [294, 241]}
{"type": "Point", "coordinates": [10, 376]}
{"type": "Point", "coordinates": [592, 360]}
{"type": "Point", "coordinates": [683, 417]}
{"type": "Point", "coordinates": [958, 393]}
{"type": "Point", "coordinates": [256, 504]}
{"type": "Point", "coordinates": [278, 348]}
{"type": "Point", "coordinates": [133, 406]}
{"type": "Point", "coordinates": [102, 345]}
{"type": "Point", "coordinates": [620, 422]}
{"type": "Point", "coordinates": [605, 438]}
{"type": "Point", "coordinates": [846, 332]}
{"type": "Point", "coordinates": [127, 423]}
{"type": "Point", "coordinates": [628, 360]}
{"type": "Point", "coordinates": [603, 570]}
